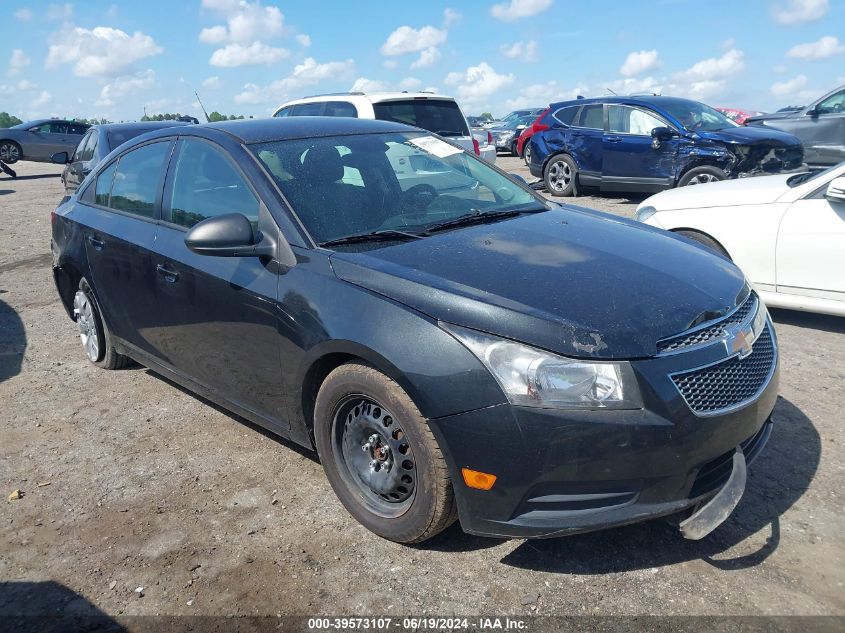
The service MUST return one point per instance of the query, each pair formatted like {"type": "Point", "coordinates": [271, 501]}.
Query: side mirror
{"type": "Point", "coordinates": [836, 190]}
{"type": "Point", "coordinates": [662, 133]}
{"type": "Point", "coordinates": [228, 235]}
{"type": "Point", "coordinates": [60, 158]}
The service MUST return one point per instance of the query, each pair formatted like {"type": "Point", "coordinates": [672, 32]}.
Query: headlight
{"type": "Point", "coordinates": [534, 378]}
{"type": "Point", "coordinates": [644, 213]}
{"type": "Point", "coordinates": [505, 136]}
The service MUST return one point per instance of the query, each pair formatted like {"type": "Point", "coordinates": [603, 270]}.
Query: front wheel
{"type": "Point", "coordinates": [559, 175]}
{"type": "Point", "coordinates": [702, 176]}
{"type": "Point", "coordinates": [380, 456]}
{"type": "Point", "coordinates": [10, 152]}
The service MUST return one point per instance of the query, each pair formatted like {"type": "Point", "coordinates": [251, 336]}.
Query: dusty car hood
{"type": "Point", "coordinates": [727, 193]}
{"type": "Point", "coordinates": [573, 281]}
{"type": "Point", "coordinates": [744, 135]}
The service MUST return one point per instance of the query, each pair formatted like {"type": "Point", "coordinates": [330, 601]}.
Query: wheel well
{"type": "Point", "coordinates": [704, 162]}
{"type": "Point", "coordinates": [67, 281]}
{"type": "Point", "coordinates": [314, 379]}
{"type": "Point", "coordinates": [703, 234]}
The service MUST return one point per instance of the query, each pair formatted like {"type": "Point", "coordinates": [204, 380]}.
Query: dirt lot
{"type": "Point", "coordinates": [131, 482]}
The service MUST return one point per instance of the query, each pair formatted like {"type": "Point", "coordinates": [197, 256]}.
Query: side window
{"type": "Point", "coordinates": [340, 108]}
{"type": "Point", "coordinates": [628, 120]}
{"type": "Point", "coordinates": [44, 128]}
{"type": "Point", "coordinates": [77, 128]}
{"type": "Point", "coordinates": [834, 104]}
{"type": "Point", "coordinates": [103, 187]}
{"type": "Point", "coordinates": [137, 179]}
{"type": "Point", "coordinates": [592, 117]}
{"type": "Point", "coordinates": [308, 109]}
{"type": "Point", "coordinates": [58, 127]}
{"type": "Point", "coordinates": [566, 115]}
{"type": "Point", "coordinates": [80, 150]}
{"type": "Point", "coordinates": [206, 184]}
{"type": "Point", "coordinates": [283, 112]}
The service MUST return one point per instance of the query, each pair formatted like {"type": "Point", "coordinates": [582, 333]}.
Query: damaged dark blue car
{"type": "Point", "coordinates": [651, 143]}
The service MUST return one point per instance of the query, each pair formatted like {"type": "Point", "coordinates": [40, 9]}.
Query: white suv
{"type": "Point", "coordinates": [436, 113]}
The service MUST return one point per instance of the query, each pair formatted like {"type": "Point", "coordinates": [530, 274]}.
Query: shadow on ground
{"type": "Point", "coordinates": [12, 342]}
{"type": "Point", "coordinates": [810, 320]}
{"type": "Point", "coordinates": [50, 607]}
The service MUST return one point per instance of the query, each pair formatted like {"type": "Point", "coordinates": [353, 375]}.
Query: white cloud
{"type": "Point", "coordinates": [451, 17]}
{"type": "Point", "coordinates": [303, 39]}
{"type": "Point", "coordinates": [788, 87]}
{"type": "Point", "coordinates": [409, 40]}
{"type": "Point", "coordinates": [308, 73]}
{"type": "Point", "coordinates": [24, 15]}
{"type": "Point", "coordinates": [411, 84]}
{"type": "Point", "coordinates": [390, 64]}
{"type": "Point", "coordinates": [25, 84]}
{"type": "Point", "coordinates": [825, 47]}
{"type": "Point", "coordinates": [41, 99]}
{"type": "Point", "coordinates": [212, 83]}
{"type": "Point", "coordinates": [123, 86]}
{"type": "Point", "coordinates": [516, 9]}
{"type": "Point", "coordinates": [525, 51]}
{"type": "Point", "coordinates": [476, 84]}
{"type": "Point", "coordinates": [101, 52]}
{"type": "Point", "coordinates": [59, 11]}
{"type": "Point", "coordinates": [639, 62]}
{"type": "Point", "coordinates": [729, 63]}
{"type": "Point", "coordinates": [539, 95]}
{"type": "Point", "coordinates": [795, 11]}
{"type": "Point", "coordinates": [234, 55]}
{"type": "Point", "coordinates": [246, 23]}
{"type": "Point", "coordinates": [362, 84]}
{"type": "Point", "coordinates": [428, 57]}
{"type": "Point", "coordinates": [18, 62]}
{"type": "Point", "coordinates": [631, 85]}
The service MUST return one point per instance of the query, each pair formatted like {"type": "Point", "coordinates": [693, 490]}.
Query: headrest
{"type": "Point", "coordinates": [322, 165]}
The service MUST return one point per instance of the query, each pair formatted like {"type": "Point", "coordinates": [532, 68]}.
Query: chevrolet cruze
{"type": "Point", "coordinates": [453, 345]}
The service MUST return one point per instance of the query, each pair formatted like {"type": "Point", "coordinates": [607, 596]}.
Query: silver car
{"type": "Point", "coordinates": [39, 140]}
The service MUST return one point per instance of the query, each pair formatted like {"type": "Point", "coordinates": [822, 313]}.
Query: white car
{"type": "Point", "coordinates": [437, 113]}
{"type": "Point", "coordinates": [786, 232]}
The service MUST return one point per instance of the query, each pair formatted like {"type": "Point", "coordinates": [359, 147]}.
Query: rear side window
{"type": "Point", "coordinates": [567, 115]}
{"type": "Point", "coordinates": [119, 137]}
{"type": "Point", "coordinates": [58, 127]}
{"type": "Point", "coordinates": [136, 180]}
{"type": "Point", "coordinates": [87, 151]}
{"type": "Point", "coordinates": [340, 108]}
{"type": "Point", "coordinates": [103, 187]}
{"type": "Point", "coordinates": [206, 184]}
{"type": "Point", "coordinates": [436, 115]}
{"type": "Point", "coordinates": [628, 120]}
{"type": "Point", "coordinates": [77, 128]}
{"type": "Point", "coordinates": [592, 117]}
{"type": "Point", "coordinates": [308, 109]}
{"type": "Point", "coordinates": [79, 152]}
{"type": "Point", "coordinates": [283, 112]}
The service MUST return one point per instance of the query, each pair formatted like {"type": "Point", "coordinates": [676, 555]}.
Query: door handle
{"type": "Point", "coordinates": [170, 276]}
{"type": "Point", "coordinates": [612, 139]}
{"type": "Point", "coordinates": [96, 242]}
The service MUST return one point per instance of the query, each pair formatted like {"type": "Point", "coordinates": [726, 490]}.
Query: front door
{"type": "Point", "coordinates": [216, 317]}
{"type": "Point", "coordinates": [631, 160]}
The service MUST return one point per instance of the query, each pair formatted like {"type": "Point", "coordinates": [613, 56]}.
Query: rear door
{"type": "Point", "coordinates": [441, 116]}
{"type": "Point", "coordinates": [120, 228]}
{"type": "Point", "coordinates": [586, 143]}
{"type": "Point", "coordinates": [630, 161]}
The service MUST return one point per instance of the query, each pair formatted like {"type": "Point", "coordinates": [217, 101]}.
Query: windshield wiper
{"type": "Point", "coordinates": [476, 216]}
{"type": "Point", "coordinates": [373, 236]}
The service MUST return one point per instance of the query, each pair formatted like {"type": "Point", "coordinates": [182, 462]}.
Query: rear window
{"type": "Point", "coordinates": [436, 115]}
{"type": "Point", "coordinates": [567, 115]}
{"type": "Point", "coordinates": [308, 109]}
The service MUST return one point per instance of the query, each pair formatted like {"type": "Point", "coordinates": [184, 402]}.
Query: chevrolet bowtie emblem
{"type": "Point", "coordinates": [740, 341]}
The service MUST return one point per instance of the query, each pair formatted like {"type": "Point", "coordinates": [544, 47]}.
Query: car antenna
{"type": "Point", "coordinates": [207, 120]}
{"type": "Point", "coordinates": [611, 92]}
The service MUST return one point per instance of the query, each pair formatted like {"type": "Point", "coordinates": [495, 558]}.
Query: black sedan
{"type": "Point", "coordinates": [452, 344]}
{"type": "Point", "coordinates": [98, 143]}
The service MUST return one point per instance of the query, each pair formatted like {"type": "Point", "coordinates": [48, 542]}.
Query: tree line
{"type": "Point", "coordinates": [8, 120]}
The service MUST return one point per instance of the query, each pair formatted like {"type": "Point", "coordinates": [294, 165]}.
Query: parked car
{"type": "Point", "coordinates": [97, 143]}
{"type": "Point", "coordinates": [39, 140]}
{"type": "Point", "coordinates": [523, 149]}
{"type": "Point", "coordinates": [787, 233]}
{"type": "Point", "coordinates": [739, 116]}
{"type": "Point", "coordinates": [485, 354]}
{"type": "Point", "coordinates": [820, 126]}
{"type": "Point", "coordinates": [650, 143]}
{"type": "Point", "coordinates": [436, 113]}
{"type": "Point", "coordinates": [516, 114]}
{"type": "Point", "coordinates": [505, 134]}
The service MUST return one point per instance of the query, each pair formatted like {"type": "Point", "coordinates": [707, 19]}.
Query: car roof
{"type": "Point", "coordinates": [654, 100]}
{"type": "Point", "coordinates": [137, 125]}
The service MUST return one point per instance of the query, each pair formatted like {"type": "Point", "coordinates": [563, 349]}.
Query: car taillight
{"type": "Point", "coordinates": [52, 218]}
{"type": "Point", "coordinates": [489, 138]}
{"type": "Point", "coordinates": [537, 126]}
{"type": "Point", "coordinates": [476, 147]}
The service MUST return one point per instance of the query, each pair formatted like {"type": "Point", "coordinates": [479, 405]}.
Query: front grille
{"type": "Point", "coordinates": [713, 332]}
{"type": "Point", "coordinates": [715, 473]}
{"type": "Point", "coordinates": [730, 383]}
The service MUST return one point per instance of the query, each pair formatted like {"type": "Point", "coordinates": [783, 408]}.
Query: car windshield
{"type": "Point", "coordinates": [800, 179]}
{"type": "Point", "coordinates": [697, 117]}
{"type": "Point", "coordinates": [352, 185]}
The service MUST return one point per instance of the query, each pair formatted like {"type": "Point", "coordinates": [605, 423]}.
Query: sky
{"type": "Point", "coordinates": [113, 60]}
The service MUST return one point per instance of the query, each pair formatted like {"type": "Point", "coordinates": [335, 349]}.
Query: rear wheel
{"type": "Point", "coordinates": [526, 154]}
{"type": "Point", "coordinates": [93, 332]}
{"type": "Point", "coordinates": [702, 176]}
{"type": "Point", "coordinates": [513, 149]}
{"type": "Point", "coordinates": [380, 456]}
{"type": "Point", "coordinates": [559, 175]}
{"type": "Point", "coordinates": [705, 240]}
{"type": "Point", "coordinates": [10, 152]}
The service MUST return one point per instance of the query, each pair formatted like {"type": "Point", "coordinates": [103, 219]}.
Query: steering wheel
{"type": "Point", "coordinates": [419, 197]}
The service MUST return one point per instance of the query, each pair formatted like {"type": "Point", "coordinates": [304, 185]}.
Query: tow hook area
{"type": "Point", "coordinates": [713, 513]}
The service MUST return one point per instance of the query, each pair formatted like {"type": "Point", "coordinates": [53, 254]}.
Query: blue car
{"type": "Point", "coordinates": [651, 143]}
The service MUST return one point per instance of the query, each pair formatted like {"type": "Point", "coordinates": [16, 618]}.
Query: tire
{"type": "Point", "coordinates": [526, 153]}
{"type": "Point", "coordinates": [559, 175]}
{"type": "Point", "coordinates": [513, 149]}
{"type": "Point", "coordinates": [374, 443]}
{"type": "Point", "coordinates": [93, 331]}
{"type": "Point", "coordinates": [705, 240]}
{"type": "Point", "coordinates": [10, 152]}
{"type": "Point", "coordinates": [702, 175]}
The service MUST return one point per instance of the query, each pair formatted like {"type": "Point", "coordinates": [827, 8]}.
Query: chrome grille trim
{"type": "Point", "coordinates": [712, 331]}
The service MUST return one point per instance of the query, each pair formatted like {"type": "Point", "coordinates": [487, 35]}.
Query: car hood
{"type": "Point", "coordinates": [571, 280]}
{"type": "Point", "coordinates": [772, 116]}
{"type": "Point", "coordinates": [744, 135]}
{"type": "Point", "coordinates": [726, 193]}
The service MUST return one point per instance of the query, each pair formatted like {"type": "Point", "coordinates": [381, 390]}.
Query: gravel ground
{"type": "Point", "coordinates": [130, 482]}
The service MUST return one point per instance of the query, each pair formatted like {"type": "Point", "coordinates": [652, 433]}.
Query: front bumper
{"type": "Point", "coordinates": [564, 472]}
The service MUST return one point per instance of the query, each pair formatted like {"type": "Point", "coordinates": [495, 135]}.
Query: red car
{"type": "Point", "coordinates": [738, 116]}
{"type": "Point", "coordinates": [527, 133]}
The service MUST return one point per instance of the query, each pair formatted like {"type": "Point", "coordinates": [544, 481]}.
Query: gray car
{"type": "Point", "coordinates": [38, 140]}
{"type": "Point", "coordinates": [820, 126]}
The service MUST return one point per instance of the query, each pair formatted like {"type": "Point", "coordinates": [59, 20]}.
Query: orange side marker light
{"type": "Point", "coordinates": [478, 480]}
